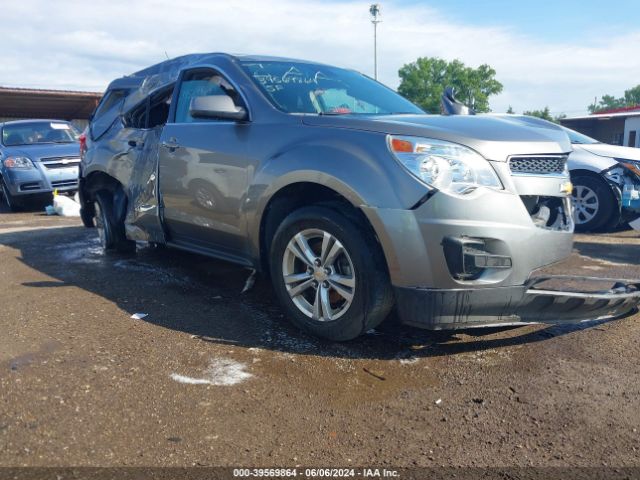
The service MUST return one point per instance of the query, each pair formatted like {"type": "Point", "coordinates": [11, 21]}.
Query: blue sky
{"type": "Point", "coordinates": [559, 53]}
{"type": "Point", "coordinates": [548, 20]}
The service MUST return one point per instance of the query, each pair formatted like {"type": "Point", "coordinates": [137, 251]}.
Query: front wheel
{"type": "Point", "coordinates": [594, 204]}
{"type": "Point", "coordinates": [9, 200]}
{"type": "Point", "coordinates": [329, 274]}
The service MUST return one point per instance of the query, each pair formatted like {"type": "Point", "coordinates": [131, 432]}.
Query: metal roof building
{"type": "Point", "coordinates": [25, 103]}
{"type": "Point", "coordinates": [619, 126]}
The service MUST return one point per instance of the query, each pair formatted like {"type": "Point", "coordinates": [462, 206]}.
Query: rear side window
{"type": "Point", "coordinates": [107, 112]}
{"type": "Point", "coordinates": [151, 112]}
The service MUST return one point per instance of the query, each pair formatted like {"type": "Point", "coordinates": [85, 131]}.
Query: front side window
{"type": "Point", "coordinates": [32, 133]}
{"type": "Point", "coordinates": [202, 83]}
{"type": "Point", "coordinates": [310, 88]}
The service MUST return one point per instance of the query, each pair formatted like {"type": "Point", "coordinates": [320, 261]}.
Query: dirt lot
{"type": "Point", "coordinates": [213, 376]}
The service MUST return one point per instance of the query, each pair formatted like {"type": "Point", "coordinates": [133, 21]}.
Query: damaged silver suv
{"type": "Point", "coordinates": [350, 197]}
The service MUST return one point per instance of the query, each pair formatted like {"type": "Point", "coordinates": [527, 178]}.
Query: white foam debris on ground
{"type": "Point", "coordinates": [408, 361]}
{"type": "Point", "coordinates": [635, 224]}
{"type": "Point", "coordinates": [139, 316]}
{"type": "Point", "coordinates": [220, 372]}
{"type": "Point", "coordinates": [64, 206]}
{"type": "Point", "coordinates": [248, 285]}
{"type": "Point", "coordinates": [438, 401]}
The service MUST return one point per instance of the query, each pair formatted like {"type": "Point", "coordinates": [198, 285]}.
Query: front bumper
{"type": "Point", "coordinates": [41, 179]}
{"type": "Point", "coordinates": [464, 308]}
{"type": "Point", "coordinates": [412, 240]}
{"type": "Point", "coordinates": [458, 262]}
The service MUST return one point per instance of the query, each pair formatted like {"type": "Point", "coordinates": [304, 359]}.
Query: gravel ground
{"type": "Point", "coordinates": [212, 376]}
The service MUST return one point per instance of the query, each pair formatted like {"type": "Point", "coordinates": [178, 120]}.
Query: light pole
{"type": "Point", "coordinates": [374, 10]}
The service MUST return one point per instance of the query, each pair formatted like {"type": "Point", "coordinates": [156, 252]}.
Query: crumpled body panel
{"type": "Point", "coordinates": [142, 222]}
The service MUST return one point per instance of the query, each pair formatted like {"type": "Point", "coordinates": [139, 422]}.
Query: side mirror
{"type": "Point", "coordinates": [451, 106]}
{"type": "Point", "coordinates": [216, 106]}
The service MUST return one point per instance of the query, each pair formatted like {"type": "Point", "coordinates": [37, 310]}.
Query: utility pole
{"type": "Point", "coordinates": [374, 10]}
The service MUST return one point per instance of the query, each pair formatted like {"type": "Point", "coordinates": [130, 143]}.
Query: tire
{"type": "Point", "coordinates": [594, 204]}
{"type": "Point", "coordinates": [111, 228]}
{"type": "Point", "coordinates": [352, 294]}
{"type": "Point", "coordinates": [9, 200]}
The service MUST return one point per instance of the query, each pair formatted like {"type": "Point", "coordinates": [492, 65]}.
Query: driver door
{"type": "Point", "coordinates": [204, 170]}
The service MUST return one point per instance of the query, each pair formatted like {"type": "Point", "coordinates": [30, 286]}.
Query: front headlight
{"type": "Point", "coordinates": [18, 162]}
{"type": "Point", "coordinates": [443, 165]}
{"type": "Point", "coordinates": [632, 165]}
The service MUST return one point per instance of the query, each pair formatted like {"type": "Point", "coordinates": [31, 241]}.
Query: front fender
{"type": "Point", "coordinates": [359, 168]}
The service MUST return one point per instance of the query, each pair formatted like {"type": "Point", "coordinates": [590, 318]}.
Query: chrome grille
{"type": "Point", "coordinates": [538, 165]}
{"type": "Point", "coordinates": [64, 183]}
{"type": "Point", "coordinates": [60, 162]}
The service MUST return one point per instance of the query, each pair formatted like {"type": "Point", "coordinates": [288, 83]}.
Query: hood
{"type": "Point", "coordinates": [612, 151]}
{"type": "Point", "coordinates": [495, 138]}
{"type": "Point", "coordinates": [43, 150]}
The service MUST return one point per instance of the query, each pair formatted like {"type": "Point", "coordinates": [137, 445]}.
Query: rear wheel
{"type": "Point", "coordinates": [329, 274]}
{"type": "Point", "coordinates": [9, 200]}
{"type": "Point", "coordinates": [110, 228]}
{"type": "Point", "coordinates": [594, 204]}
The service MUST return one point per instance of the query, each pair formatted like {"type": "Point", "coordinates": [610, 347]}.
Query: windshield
{"type": "Point", "coordinates": [579, 138]}
{"type": "Point", "coordinates": [320, 89]}
{"type": "Point", "coordinates": [32, 133]}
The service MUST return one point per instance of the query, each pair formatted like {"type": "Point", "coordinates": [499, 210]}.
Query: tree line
{"type": "Point", "coordinates": [424, 81]}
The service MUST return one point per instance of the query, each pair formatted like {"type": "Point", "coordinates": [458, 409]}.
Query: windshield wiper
{"type": "Point", "coordinates": [334, 113]}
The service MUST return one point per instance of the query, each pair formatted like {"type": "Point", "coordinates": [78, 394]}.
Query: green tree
{"type": "Point", "coordinates": [424, 81]}
{"type": "Point", "coordinates": [631, 98]}
{"type": "Point", "coordinates": [545, 114]}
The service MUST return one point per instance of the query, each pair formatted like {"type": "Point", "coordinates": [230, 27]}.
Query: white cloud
{"type": "Point", "coordinates": [84, 45]}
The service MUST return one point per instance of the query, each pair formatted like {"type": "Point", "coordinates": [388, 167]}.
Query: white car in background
{"type": "Point", "coordinates": [606, 180]}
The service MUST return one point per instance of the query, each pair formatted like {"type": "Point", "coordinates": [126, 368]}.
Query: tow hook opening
{"type": "Point", "coordinates": [467, 258]}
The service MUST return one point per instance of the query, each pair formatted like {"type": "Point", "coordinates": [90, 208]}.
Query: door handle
{"type": "Point", "coordinates": [171, 144]}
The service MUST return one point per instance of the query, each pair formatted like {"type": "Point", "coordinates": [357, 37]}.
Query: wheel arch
{"type": "Point", "coordinates": [296, 195]}
{"type": "Point", "coordinates": [615, 192]}
{"type": "Point", "coordinates": [95, 182]}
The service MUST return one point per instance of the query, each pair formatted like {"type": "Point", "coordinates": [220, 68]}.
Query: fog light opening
{"type": "Point", "coordinates": [467, 258]}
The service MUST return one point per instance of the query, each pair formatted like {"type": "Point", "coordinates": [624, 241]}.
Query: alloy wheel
{"type": "Point", "coordinates": [318, 275]}
{"type": "Point", "coordinates": [586, 204]}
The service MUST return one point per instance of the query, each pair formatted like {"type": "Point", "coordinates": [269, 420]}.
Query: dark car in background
{"type": "Point", "coordinates": [36, 158]}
